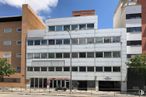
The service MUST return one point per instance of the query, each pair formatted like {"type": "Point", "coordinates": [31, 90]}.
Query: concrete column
{"type": "Point", "coordinates": [123, 86]}
{"type": "Point", "coordinates": [97, 85]}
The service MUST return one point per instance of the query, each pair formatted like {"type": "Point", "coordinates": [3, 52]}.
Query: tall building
{"type": "Point", "coordinates": [13, 32]}
{"type": "Point", "coordinates": [98, 56]}
{"type": "Point", "coordinates": [131, 14]}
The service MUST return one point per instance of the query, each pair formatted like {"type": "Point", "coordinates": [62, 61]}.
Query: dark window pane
{"type": "Point", "coordinates": [90, 69]}
{"type": "Point", "coordinates": [37, 56]}
{"type": "Point", "coordinates": [43, 55]}
{"type": "Point", "coordinates": [51, 28]}
{"type": "Point", "coordinates": [99, 54]}
{"type": "Point", "coordinates": [37, 42]}
{"type": "Point", "coordinates": [116, 69]}
{"type": "Point", "coordinates": [58, 68]}
{"type": "Point", "coordinates": [116, 39]}
{"type": "Point", "coordinates": [107, 55]}
{"type": "Point", "coordinates": [133, 16]}
{"type": "Point", "coordinates": [58, 41]}
{"type": "Point", "coordinates": [134, 29]}
{"type": "Point", "coordinates": [107, 39]}
{"type": "Point", "coordinates": [30, 56]}
{"type": "Point", "coordinates": [74, 55]}
{"type": "Point", "coordinates": [51, 42]}
{"type": "Point", "coordinates": [90, 54]}
{"type": "Point", "coordinates": [116, 54]}
{"type": "Point", "coordinates": [75, 41]}
{"type": "Point", "coordinates": [66, 27]}
{"type": "Point", "coordinates": [58, 55]}
{"type": "Point", "coordinates": [99, 40]}
{"type": "Point", "coordinates": [66, 55]}
{"type": "Point", "coordinates": [43, 68]}
{"type": "Point", "coordinates": [51, 68]}
{"type": "Point", "coordinates": [82, 41]}
{"type": "Point", "coordinates": [66, 41]}
{"type": "Point", "coordinates": [74, 27]}
{"type": "Point", "coordinates": [30, 42]}
{"type": "Point", "coordinates": [99, 69]}
{"type": "Point", "coordinates": [51, 55]}
{"type": "Point", "coordinates": [82, 69]}
{"type": "Point", "coordinates": [90, 40]}
{"type": "Point", "coordinates": [29, 68]}
{"type": "Point", "coordinates": [74, 69]}
{"type": "Point", "coordinates": [82, 26]}
{"type": "Point", "coordinates": [107, 69]}
{"type": "Point", "coordinates": [134, 43]}
{"type": "Point", "coordinates": [59, 28]}
{"type": "Point", "coordinates": [36, 68]}
{"type": "Point", "coordinates": [43, 42]}
{"type": "Point", "coordinates": [90, 26]}
{"type": "Point", "coordinates": [82, 55]}
{"type": "Point", "coordinates": [66, 68]}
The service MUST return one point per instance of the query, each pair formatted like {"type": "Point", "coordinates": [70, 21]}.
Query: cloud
{"type": "Point", "coordinates": [37, 5]}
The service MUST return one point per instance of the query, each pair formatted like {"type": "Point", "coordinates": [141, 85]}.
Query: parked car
{"type": "Point", "coordinates": [60, 88]}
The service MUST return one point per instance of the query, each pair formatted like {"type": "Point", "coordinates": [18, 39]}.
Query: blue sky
{"type": "Point", "coordinates": [104, 9]}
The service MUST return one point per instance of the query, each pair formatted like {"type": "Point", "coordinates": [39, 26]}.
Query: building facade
{"type": "Point", "coordinates": [98, 56]}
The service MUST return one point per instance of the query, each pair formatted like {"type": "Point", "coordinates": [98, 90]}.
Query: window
{"type": "Point", "coordinates": [82, 55]}
{"type": "Point", "coordinates": [116, 69]}
{"type": "Point", "coordinates": [107, 39]}
{"type": "Point", "coordinates": [51, 42]}
{"type": "Point", "coordinates": [74, 55]}
{"type": "Point", "coordinates": [66, 27]}
{"type": "Point", "coordinates": [90, 69]}
{"type": "Point", "coordinates": [58, 41]}
{"type": "Point", "coordinates": [133, 16]}
{"type": "Point", "coordinates": [7, 55]}
{"type": "Point", "coordinates": [7, 30]}
{"type": "Point", "coordinates": [51, 69]}
{"type": "Point", "coordinates": [90, 40]}
{"type": "Point", "coordinates": [66, 69]}
{"type": "Point", "coordinates": [82, 69]}
{"type": "Point", "coordinates": [75, 41]}
{"type": "Point", "coordinates": [99, 69]}
{"type": "Point", "coordinates": [30, 42]}
{"type": "Point", "coordinates": [7, 43]}
{"type": "Point", "coordinates": [107, 55]}
{"type": "Point", "coordinates": [99, 40]}
{"type": "Point", "coordinates": [43, 55]}
{"type": "Point", "coordinates": [58, 55]}
{"type": "Point", "coordinates": [116, 39]}
{"type": "Point", "coordinates": [51, 55]}
{"type": "Point", "coordinates": [82, 26]}
{"type": "Point", "coordinates": [66, 41]}
{"type": "Point", "coordinates": [18, 30]}
{"type": "Point", "coordinates": [58, 68]}
{"type": "Point", "coordinates": [90, 54]}
{"type": "Point", "coordinates": [43, 68]}
{"type": "Point", "coordinates": [90, 26]}
{"type": "Point", "coordinates": [82, 41]}
{"type": "Point", "coordinates": [134, 43]}
{"type": "Point", "coordinates": [74, 27]}
{"type": "Point", "coordinates": [134, 29]}
{"type": "Point", "coordinates": [59, 28]}
{"type": "Point", "coordinates": [99, 54]}
{"type": "Point", "coordinates": [131, 55]}
{"type": "Point", "coordinates": [30, 56]}
{"type": "Point", "coordinates": [18, 55]}
{"type": "Point", "coordinates": [43, 42]}
{"type": "Point", "coordinates": [74, 69]}
{"type": "Point", "coordinates": [36, 55]}
{"type": "Point", "coordinates": [66, 55]}
{"type": "Point", "coordinates": [37, 42]}
{"type": "Point", "coordinates": [116, 54]}
{"type": "Point", "coordinates": [29, 68]}
{"type": "Point", "coordinates": [18, 42]}
{"type": "Point", "coordinates": [36, 68]}
{"type": "Point", "coordinates": [51, 28]}
{"type": "Point", "coordinates": [107, 69]}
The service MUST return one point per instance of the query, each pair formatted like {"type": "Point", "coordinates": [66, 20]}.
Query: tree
{"type": "Point", "coordinates": [5, 69]}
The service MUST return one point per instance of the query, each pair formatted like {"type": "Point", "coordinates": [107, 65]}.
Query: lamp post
{"type": "Point", "coordinates": [70, 81]}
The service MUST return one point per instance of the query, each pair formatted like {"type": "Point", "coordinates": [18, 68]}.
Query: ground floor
{"type": "Point", "coordinates": [76, 84]}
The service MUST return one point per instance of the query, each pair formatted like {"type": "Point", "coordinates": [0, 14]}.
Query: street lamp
{"type": "Point", "coordinates": [70, 81]}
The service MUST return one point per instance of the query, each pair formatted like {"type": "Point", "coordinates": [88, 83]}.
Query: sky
{"type": "Point", "coordinates": [63, 8]}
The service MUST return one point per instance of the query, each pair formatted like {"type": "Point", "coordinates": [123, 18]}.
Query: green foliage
{"type": "Point", "coordinates": [5, 68]}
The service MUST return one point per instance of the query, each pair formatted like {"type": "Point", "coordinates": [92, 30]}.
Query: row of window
{"type": "Point", "coordinates": [113, 54]}
{"type": "Point", "coordinates": [9, 55]}
{"type": "Point", "coordinates": [8, 30]}
{"type": "Point", "coordinates": [9, 42]}
{"type": "Point", "coordinates": [134, 43]}
{"type": "Point", "coordinates": [134, 29]}
{"type": "Point", "coordinates": [76, 69]}
{"type": "Point", "coordinates": [75, 41]}
{"type": "Point", "coordinates": [71, 27]}
{"type": "Point", "coordinates": [133, 16]}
